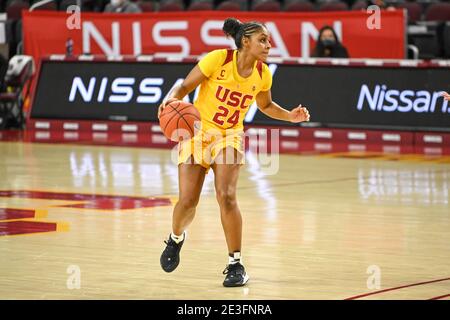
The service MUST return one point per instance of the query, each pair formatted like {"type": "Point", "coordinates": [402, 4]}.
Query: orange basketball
{"type": "Point", "coordinates": [178, 120]}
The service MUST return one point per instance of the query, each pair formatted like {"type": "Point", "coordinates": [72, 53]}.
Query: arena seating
{"type": "Point", "coordinates": [432, 16]}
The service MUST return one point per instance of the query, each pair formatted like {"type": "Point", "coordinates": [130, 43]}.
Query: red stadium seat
{"type": "Point", "coordinates": [414, 10]}
{"type": "Point", "coordinates": [334, 6]}
{"type": "Point", "coordinates": [171, 6]}
{"type": "Point", "coordinates": [229, 6]}
{"type": "Point", "coordinates": [438, 12]}
{"type": "Point", "coordinates": [14, 9]}
{"type": "Point", "coordinates": [266, 5]}
{"type": "Point", "coordinates": [64, 4]}
{"type": "Point", "coordinates": [299, 6]}
{"type": "Point", "coordinates": [200, 6]}
{"type": "Point", "coordinates": [52, 6]}
{"type": "Point", "coordinates": [360, 5]}
{"type": "Point", "coordinates": [146, 6]}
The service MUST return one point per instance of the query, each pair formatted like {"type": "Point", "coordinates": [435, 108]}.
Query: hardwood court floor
{"type": "Point", "coordinates": [313, 230]}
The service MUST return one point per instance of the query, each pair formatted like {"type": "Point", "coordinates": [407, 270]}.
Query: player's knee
{"type": "Point", "coordinates": [226, 199]}
{"type": "Point", "coordinates": [188, 202]}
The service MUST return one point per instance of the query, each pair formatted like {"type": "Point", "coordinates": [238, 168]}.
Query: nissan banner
{"type": "Point", "coordinates": [363, 96]}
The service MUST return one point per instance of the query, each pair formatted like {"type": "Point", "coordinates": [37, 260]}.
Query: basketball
{"type": "Point", "coordinates": [178, 120]}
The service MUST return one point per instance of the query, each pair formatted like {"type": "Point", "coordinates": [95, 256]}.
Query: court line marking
{"type": "Point", "coordinates": [60, 227]}
{"type": "Point", "coordinates": [395, 288]}
{"type": "Point", "coordinates": [440, 297]}
{"type": "Point", "coordinates": [75, 204]}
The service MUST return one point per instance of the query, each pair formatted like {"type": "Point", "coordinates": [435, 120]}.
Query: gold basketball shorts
{"type": "Point", "coordinates": [204, 148]}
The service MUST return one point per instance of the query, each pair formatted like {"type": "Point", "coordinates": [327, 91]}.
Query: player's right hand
{"type": "Point", "coordinates": [445, 95]}
{"type": "Point", "coordinates": [163, 105]}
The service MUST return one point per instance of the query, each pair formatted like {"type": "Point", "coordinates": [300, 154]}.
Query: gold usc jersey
{"type": "Point", "coordinates": [225, 97]}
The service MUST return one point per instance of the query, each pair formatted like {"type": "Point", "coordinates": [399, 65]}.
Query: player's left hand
{"type": "Point", "coordinates": [445, 95]}
{"type": "Point", "coordinates": [299, 114]}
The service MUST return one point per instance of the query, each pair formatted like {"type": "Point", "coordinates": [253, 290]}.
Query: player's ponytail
{"type": "Point", "coordinates": [233, 28]}
{"type": "Point", "coordinates": [236, 29]}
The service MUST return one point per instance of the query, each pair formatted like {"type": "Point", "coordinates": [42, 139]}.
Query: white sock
{"type": "Point", "coordinates": [234, 258]}
{"type": "Point", "coordinates": [176, 238]}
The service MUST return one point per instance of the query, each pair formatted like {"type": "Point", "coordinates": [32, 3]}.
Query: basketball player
{"type": "Point", "coordinates": [231, 80]}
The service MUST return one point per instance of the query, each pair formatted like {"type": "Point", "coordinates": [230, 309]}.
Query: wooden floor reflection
{"type": "Point", "coordinates": [315, 227]}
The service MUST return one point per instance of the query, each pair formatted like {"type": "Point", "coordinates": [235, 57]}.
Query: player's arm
{"type": "Point", "coordinates": [275, 111]}
{"type": "Point", "coordinates": [192, 81]}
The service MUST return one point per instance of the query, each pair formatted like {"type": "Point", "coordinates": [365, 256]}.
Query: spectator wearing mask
{"type": "Point", "coordinates": [328, 45]}
{"type": "Point", "coordinates": [122, 6]}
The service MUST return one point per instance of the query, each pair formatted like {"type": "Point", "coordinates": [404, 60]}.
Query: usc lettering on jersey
{"type": "Point", "coordinates": [225, 96]}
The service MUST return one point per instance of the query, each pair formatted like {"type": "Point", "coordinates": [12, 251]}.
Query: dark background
{"type": "Point", "coordinates": [55, 82]}
{"type": "Point", "coordinates": [331, 94]}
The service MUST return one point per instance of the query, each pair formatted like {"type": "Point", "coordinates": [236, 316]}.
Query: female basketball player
{"type": "Point", "coordinates": [231, 80]}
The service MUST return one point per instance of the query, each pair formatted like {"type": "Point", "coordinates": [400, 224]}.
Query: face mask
{"type": "Point", "coordinates": [328, 43]}
{"type": "Point", "coordinates": [116, 3]}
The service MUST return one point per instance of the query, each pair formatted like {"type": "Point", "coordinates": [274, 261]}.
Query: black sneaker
{"type": "Point", "coordinates": [236, 275]}
{"type": "Point", "coordinates": [170, 258]}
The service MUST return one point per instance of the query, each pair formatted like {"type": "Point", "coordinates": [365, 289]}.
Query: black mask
{"type": "Point", "coordinates": [328, 43]}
